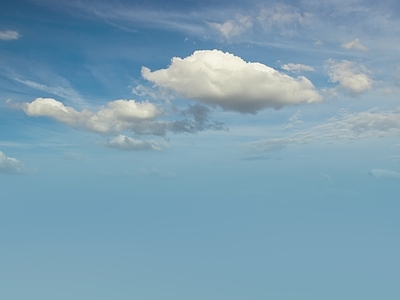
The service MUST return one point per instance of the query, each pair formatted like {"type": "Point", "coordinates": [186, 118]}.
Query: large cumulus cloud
{"type": "Point", "coordinates": [223, 79]}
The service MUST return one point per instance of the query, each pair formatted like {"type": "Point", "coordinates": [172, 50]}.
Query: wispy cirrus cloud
{"type": "Point", "coordinates": [343, 127]}
{"type": "Point", "coordinates": [66, 91]}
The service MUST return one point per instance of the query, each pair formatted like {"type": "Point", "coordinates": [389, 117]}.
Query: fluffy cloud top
{"type": "Point", "coordinates": [352, 77]}
{"type": "Point", "coordinates": [223, 79]}
{"type": "Point", "coordinates": [116, 116]}
{"type": "Point", "coordinates": [11, 166]}
{"type": "Point", "coordinates": [355, 45]}
{"type": "Point", "coordinates": [8, 35]}
{"type": "Point", "coordinates": [297, 67]}
{"type": "Point", "coordinates": [126, 143]}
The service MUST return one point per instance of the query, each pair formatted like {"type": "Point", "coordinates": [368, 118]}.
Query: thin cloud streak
{"type": "Point", "coordinates": [344, 127]}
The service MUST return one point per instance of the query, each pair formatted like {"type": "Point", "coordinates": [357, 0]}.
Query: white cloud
{"type": "Point", "coordinates": [345, 127]}
{"type": "Point", "coordinates": [9, 35]}
{"type": "Point", "coordinates": [355, 45]}
{"type": "Point", "coordinates": [223, 79]}
{"type": "Point", "coordinates": [123, 142]}
{"type": "Point", "coordinates": [116, 116]}
{"type": "Point", "coordinates": [297, 67]}
{"type": "Point", "coordinates": [352, 77]}
{"type": "Point", "coordinates": [385, 174]}
{"type": "Point", "coordinates": [11, 166]}
{"type": "Point", "coordinates": [234, 27]}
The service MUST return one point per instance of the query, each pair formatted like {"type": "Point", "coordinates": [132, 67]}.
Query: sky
{"type": "Point", "coordinates": [194, 150]}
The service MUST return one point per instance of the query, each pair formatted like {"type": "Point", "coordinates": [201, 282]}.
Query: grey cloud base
{"type": "Point", "coordinates": [217, 78]}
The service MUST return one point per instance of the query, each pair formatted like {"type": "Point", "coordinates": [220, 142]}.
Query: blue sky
{"type": "Point", "coordinates": [199, 150]}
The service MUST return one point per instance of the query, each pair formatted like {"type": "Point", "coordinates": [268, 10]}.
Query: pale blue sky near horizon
{"type": "Point", "coordinates": [199, 150]}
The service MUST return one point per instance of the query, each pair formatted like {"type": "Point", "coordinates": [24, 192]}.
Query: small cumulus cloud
{"type": "Point", "coordinates": [355, 45]}
{"type": "Point", "coordinates": [11, 166]}
{"type": "Point", "coordinates": [123, 142]}
{"type": "Point", "coordinates": [217, 78]}
{"type": "Point", "coordinates": [232, 28]}
{"type": "Point", "coordinates": [297, 67]}
{"type": "Point", "coordinates": [385, 174]}
{"type": "Point", "coordinates": [9, 35]}
{"type": "Point", "coordinates": [350, 76]}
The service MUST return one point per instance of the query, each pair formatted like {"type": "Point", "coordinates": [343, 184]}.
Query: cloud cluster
{"type": "Point", "coordinates": [11, 166]}
{"type": "Point", "coordinates": [117, 116]}
{"type": "Point", "coordinates": [226, 80]}
{"type": "Point", "coordinates": [355, 45]}
{"type": "Point", "coordinates": [345, 127]}
{"type": "Point", "coordinates": [9, 35]}
{"type": "Point", "coordinates": [350, 76]}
